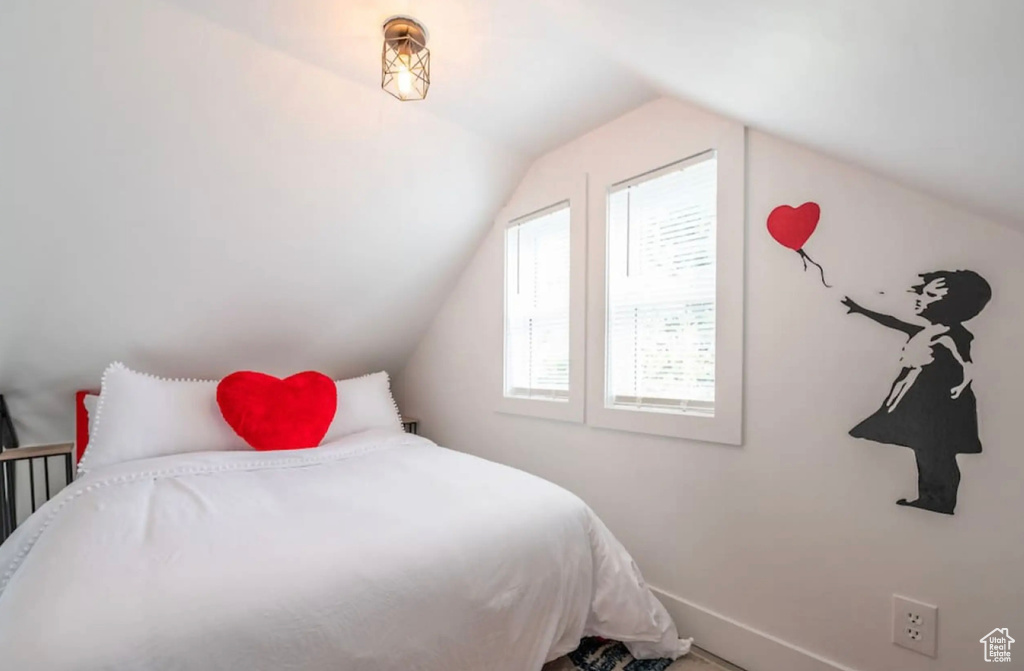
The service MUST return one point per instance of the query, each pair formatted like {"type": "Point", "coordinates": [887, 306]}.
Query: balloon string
{"type": "Point", "coordinates": [805, 258]}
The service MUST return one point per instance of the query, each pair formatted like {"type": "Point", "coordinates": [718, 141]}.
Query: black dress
{"type": "Point", "coordinates": [927, 418]}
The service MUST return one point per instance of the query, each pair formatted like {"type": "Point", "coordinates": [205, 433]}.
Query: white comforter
{"type": "Point", "coordinates": [380, 552]}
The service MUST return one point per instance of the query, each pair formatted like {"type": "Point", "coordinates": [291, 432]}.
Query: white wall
{"type": "Point", "coordinates": [193, 201]}
{"type": "Point", "coordinates": [795, 533]}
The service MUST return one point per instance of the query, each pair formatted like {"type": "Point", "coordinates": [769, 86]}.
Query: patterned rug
{"type": "Point", "coordinates": [595, 654]}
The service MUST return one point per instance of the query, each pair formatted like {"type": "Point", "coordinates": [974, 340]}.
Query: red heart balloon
{"type": "Point", "coordinates": [274, 414]}
{"type": "Point", "coordinates": [792, 226]}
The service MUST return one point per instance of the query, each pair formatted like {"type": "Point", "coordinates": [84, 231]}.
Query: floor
{"type": "Point", "coordinates": [697, 660]}
{"type": "Point", "coordinates": [717, 663]}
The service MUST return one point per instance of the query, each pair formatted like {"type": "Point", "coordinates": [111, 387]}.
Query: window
{"type": "Point", "coordinates": [542, 370]}
{"type": "Point", "coordinates": [661, 269]}
{"type": "Point", "coordinates": [537, 287]}
{"type": "Point", "coordinates": [665, 325]}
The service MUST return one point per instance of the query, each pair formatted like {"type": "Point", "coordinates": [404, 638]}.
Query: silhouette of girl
{"type": "Point", "coordinates": [931, 407]}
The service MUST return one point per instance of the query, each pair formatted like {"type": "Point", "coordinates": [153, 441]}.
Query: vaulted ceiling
{"type": "Point", "coordinates": [928, 92]}
{"type": "Point", "coordinates": [201, 185]}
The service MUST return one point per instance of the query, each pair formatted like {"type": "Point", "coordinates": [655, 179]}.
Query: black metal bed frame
{"type": "Point", "coordinates": [10, 456]}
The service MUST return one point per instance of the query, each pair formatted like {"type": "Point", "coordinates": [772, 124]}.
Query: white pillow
{"type": "Point", "coordinates": [141, 416]}
{"type": "Point", "coordinates": [364, 403]}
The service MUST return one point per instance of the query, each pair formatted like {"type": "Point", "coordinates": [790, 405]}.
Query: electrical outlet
{"type": "Point", "coordinates": [914, 625]}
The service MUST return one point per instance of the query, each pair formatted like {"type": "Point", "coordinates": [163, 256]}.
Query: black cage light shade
{"type": "Point", "coordinates": [405, 64]}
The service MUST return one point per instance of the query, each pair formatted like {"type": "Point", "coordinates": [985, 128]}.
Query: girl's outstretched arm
{"type": "Point", "coordinates": [853, 307]}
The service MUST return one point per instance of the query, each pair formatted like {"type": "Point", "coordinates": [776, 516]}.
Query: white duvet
{"type": "Point", "coordinates": [379, 551]}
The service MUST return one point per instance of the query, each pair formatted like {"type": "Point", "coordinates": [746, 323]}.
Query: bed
{"type": "Point", "coordinates": [379, 550]}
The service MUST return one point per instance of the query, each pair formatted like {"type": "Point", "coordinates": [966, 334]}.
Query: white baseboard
{"type": "Point", "coordinates": [750, 648]}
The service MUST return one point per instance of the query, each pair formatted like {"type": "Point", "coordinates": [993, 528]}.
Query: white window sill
{"type": "Point", "coordinates": [564, 410]}
{"type": "Point", "coordinates": [723, 427]}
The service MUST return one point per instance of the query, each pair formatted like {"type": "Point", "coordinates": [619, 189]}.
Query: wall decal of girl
{"type": "Point", "coordinates": [931, 407]}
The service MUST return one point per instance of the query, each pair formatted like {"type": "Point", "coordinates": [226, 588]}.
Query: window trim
{"type": "Point", "coordinates": [552, 194]}
{"type": "Point", "coordinates": [643, 162]}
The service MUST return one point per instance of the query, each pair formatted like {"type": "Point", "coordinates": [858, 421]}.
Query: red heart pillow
{"type": "Point", "coordinates": [274, 414]}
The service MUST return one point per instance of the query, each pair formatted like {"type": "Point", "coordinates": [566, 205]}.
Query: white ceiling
{"type": "Point", "coordinates": [506, 69]}
{"type": "Point", "coordinates": [179, 196]}
{"type": "Point", "coordinates": [928, 92]}
{"type": "Point", "coordinates": [201, 185]}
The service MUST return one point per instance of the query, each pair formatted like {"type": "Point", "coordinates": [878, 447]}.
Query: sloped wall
{"type": "Point", "coordinates": [795, 534]}
{"type": "Point", "coordinates": [192, 201]}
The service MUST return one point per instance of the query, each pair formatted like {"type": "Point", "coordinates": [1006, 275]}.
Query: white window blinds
{"type": "Point", "coordinates": [537, 305]}
{"type": "Point", "coordinates": [661, 290]}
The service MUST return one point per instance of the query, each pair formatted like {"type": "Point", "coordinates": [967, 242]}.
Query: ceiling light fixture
{"type": "Point", "coordinates": [405, 64]}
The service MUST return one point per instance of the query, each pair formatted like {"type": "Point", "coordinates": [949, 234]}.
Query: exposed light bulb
{"type": "Point", "coordinates": [404, 76]}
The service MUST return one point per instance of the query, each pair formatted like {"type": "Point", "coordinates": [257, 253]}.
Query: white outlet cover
{"type": "Point", "coordinates": [915, 625]}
